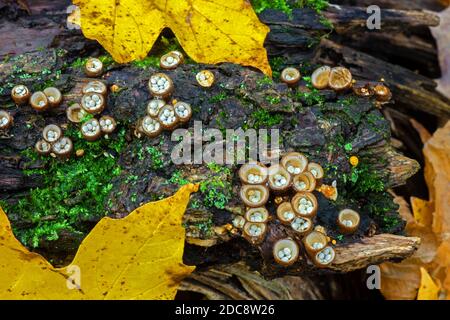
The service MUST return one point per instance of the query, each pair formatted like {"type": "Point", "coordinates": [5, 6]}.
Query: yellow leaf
{"type": "Point", "coordinates": [210, 31]}
{"type": "Point", "coordinates": [136, 257]}
{"type": "Point", "coordinates": [423, 211]}
{"type": "Point", "coordinates": [428, 290]}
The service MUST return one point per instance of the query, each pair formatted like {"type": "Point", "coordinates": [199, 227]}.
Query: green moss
{"type": "Point", "coordinates": [177, 178]}
{"type": "Point", "coordinates": [156, 156]}
{"type": "Point", "coordinates": [312, 97]}
{"type": "Point", "coordinates": [263, 118]}
{"type": "Point", "coordinates": [263, 82]}
{"type": "Point", "coordinates": [288, 5]}
{"type": "Point", "coordinates": [363, 179]}
{"type": "Point", "coordinates": [282, 5]}
{"type": "Point", "coordinates": [79, 63]}
{"type": "Point", "coordinates": [218, 97]}
{"type": "Point", "coordinates": [217, 189]}
{"type": "Point", "coordinates": [147, 62]}
{"type": "Point", "coordinates": [72, 191]}
{"type": "Point", "coordinates": [367, 189]}
{"type": "Point", "coordinates": [277, 64]}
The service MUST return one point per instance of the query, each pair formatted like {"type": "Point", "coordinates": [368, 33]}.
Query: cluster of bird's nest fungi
{"type": "Point", "coordinates": [162, 114]}
{"type": "Point", "coordinates": [339, 79]}
{"type": "Point", "coordinates": [291, 182]}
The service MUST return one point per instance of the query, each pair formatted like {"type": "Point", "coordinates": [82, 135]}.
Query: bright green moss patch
{"type": "Point", "coordinates": [72, 191]}
{"type": "Point", "coordinates": [288, 5]}
{"type": "Point", "coordinates": [156, 156]}
{"type": "Point", "coordinates": [263, 118]}
{"type": "Point", "coordinates": [282, 5]}
{"type": "Point", "coordinates": [217, 189]}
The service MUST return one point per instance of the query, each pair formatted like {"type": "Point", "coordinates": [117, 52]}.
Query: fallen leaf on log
{"type": "Point", "coordinates": [209, 31]}
{"type": "Point", "coordinates": [420, 275]}
{"type": "Point", "coordinates": [136, 257]}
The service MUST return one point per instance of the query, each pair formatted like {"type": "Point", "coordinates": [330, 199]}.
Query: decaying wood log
{"type": "Point", "coordinates": [374, 250]}
{"type": "Point", "coordinates": [434, 5]}
{"type": "Point", "coordinates": [348, 19]}
{"type": "Point", "coordinates": [312, 128]}
{"type": "Point", "coordinates": [238, 281]}
{"type": "Point", "coordinates": [410, 89]}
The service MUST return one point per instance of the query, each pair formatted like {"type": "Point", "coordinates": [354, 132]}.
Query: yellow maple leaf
{"type": "Point", "coordinates": [136, 257]}
{"type": "Point", "coordinates": [210, 31]}
{"type": "Point", "coordinates": [428, 290]}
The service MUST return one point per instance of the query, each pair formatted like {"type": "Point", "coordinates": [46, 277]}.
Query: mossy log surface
{"type": "Point", "coordinates": [326, 126]}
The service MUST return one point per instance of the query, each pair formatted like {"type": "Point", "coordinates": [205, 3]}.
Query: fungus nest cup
{"type": "Point", "coordinates": [205, 78]}
{"type": "Point", "coordinates": [63, 148]}
{"type": "Point", "coordinates": [316, 170]}
{"type": "Point", "coordinates": [183, 111]}
{"type": "Point", "coordinates": [93, 103]}
{"type": "Point", "coordinates": [305, 204]}
{"type": "Point", "coordinates": [75, 113]}
{"type": "Point", "coordinates": [314, 242]}
{"type": "Point", "coordinates": [294, 162]}
{"type": "Point", "coordinates": [95, 87]}
{"type": "Point", "coordinates": [257, 215]}
{"type": "Point", "coordinates": [301, 225]}
{"type": "Point", "coordinates": [39, 101]}
{"type": "Point", "coordinates": [324, 257]}
{"type": "Point", "coordinates": [382, 93]}
{"type": "Point", "coordinates": [93, 67]}
{"type": "Point", "coordinates": [253, 173]}
{"type": "Point", "coordinates": [6, 120]}
{"type": "Point", "coordinates": [154, 106]}
{"type": "Point", "coordinates": [107, 124]}
{"type": "Point", "coordinates": [91, 130]}
{"type": "Point", "coordinates": [167, 117]}
{"type": "Point", "coordinates": [285, 213]}
{"type": "Point", "coordinates": [348, 221]}
{"type": "Point", "coordinates": [54, 96]}
{"type": "Point", "coordinates": [290, 76]}
{"type": "Point", "coordinates": [52, 133]}
{"type": "Point", "coordinates": [254, 232]}
{"type": "Point", "coordinates": [42, 147]}
{"type": "Point", "coordinates": [304, 182]}
{"type": "Point", "coordinates": [363, 89]}
{"type": "Point", "coordinates": [286, 252]}
{"type": "Point", "coordinates": [279, 179]}
{"type": "Point", "coordinates": [171, 60]}
{"type": "Point", "coordinates": [160, 85]}
{"type": "Point", "coordinates": [320, 77]}
{"type": "Point", "coordinates": [254, 195]}
{"type": "Point", "coordinates": [150, 127]}
{"type": "Point", "coordinates": [340, 79]}
{"type": "Point", "coordinates": [239, 221]}
{"type": "Point", "coordinates": [20, 94]}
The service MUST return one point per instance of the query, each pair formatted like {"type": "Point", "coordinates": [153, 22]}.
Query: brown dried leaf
{"type": "Point", "coordinates": [431, 223]}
